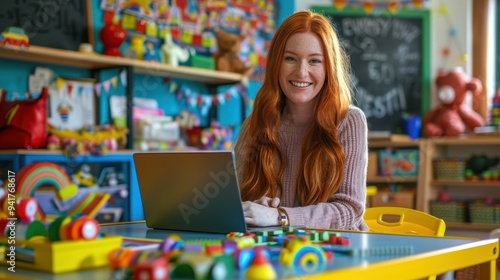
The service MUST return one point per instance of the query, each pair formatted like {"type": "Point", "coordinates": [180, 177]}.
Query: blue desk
{"type": "Point", "coordinates": [431, 255]}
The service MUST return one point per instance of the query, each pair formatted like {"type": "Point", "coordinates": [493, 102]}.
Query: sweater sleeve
{"type": "Point", "coordinates": [345, 208]}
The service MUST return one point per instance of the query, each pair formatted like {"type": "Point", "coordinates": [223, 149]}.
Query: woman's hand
{"type": "Point", "coordinates": [258, 214]}
{"type": "Point", "coordinates": [268, 201]}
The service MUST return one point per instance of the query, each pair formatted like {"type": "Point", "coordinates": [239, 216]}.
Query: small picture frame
{"type": "Point", "coordinates": [72, 103]}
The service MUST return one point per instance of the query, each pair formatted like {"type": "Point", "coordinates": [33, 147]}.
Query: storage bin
{"type": "Point", "coordinates": [449, 211]}
{"type": "Point", "coordinates": [481, 213]}
{"type": "Point", "coordinates": [398, 199]}
{"type": "Point", "coordinates": [452, 169]}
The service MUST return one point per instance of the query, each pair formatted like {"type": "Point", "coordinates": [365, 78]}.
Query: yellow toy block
{"type": "Point", "coordinates": [61, 256]}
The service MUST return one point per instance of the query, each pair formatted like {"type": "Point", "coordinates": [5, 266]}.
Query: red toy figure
{"type": "Point", "coordinates": [452, 116]}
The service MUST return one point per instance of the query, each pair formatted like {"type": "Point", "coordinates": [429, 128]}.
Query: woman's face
{"type": "Point", "coordinates": [302, 71]}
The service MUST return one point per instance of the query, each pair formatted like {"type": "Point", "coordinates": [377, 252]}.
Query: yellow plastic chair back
{"type": "Point", "coordinates": [403, 221]}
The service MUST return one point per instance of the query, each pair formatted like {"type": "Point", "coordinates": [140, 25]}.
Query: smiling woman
{"type": "Point", "coordinates": [302, 153]}
{"type": "Point", "coordinates": [302, 72]}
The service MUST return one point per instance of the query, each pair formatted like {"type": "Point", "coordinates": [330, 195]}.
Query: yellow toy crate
{"type": "Point", "coordinates": [61, 256]}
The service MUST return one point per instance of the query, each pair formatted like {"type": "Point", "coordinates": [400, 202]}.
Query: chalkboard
{"type": "Point", "coordinates": [62, 24]}
{"type": "Point", "coordinates": [390, 61]}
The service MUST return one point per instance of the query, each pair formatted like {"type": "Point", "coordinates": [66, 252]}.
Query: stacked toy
{"type": "Point", "coordinates": [495, 110]}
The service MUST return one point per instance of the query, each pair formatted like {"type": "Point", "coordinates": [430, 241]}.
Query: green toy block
{"type": "Point", "coordinates": [202, 61]}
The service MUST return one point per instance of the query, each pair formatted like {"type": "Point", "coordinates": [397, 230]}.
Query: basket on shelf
{"type": "Point", "coordinates": [449, 169]}
{"type": "Point", "coordinates": [482, 213]}
{"type": "Point", "coordinates": [449, 211]}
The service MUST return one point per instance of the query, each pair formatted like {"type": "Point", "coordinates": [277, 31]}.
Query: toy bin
{"type": "Point", "coordinates": [403, 162]}
{"type": "Point", "coordinates": [452, 169]}
{"type": "Point", "coordinates": [394, 199]}
{"type": "Point", "coordinates": [63, 256]}
{"type": "Point", "coordinates": [450, 211]}
{"type": "Point", "coordinates": [482, 213]}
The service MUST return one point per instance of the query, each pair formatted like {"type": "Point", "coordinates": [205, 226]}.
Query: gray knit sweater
{"type": "Point", "coordinates": [345, 207]}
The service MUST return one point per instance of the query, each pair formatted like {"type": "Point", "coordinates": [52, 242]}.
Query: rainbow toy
{"type": "Point", "coordinates": [47, 174]}
{"type": "Point", "coordinates": [303, 256]}
{"type": "Point", "coordinates": [34, 175]}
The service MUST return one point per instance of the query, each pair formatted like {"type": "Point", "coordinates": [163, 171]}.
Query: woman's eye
{"type": "Point", "coordinates": [289, 58]}
{"type": "Point", "coordinates": [315, 61]}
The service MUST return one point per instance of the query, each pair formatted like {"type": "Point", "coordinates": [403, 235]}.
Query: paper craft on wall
{"type": "Point", "coordinates": [71, 104]}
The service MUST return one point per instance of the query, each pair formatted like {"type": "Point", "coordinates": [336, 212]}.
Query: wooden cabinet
{"type": "Point", "coordinates": [457, 147]}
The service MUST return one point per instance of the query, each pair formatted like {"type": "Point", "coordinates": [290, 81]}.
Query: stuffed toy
{"type": "Point", "coordinates": [227, 57]}
{"type": "Point", "coordinates": [452, 117]}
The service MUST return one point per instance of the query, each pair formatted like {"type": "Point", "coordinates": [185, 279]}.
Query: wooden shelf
{"type": "Point", "coordinates": [391, 179]}
{"type": "Point", "coordinates": [450, 183]}
{"type": "Point", "coordinates": [382, 143]}
{"type": "Point", "coordinates": [59, 152]}
{"type": "Point", "coordinates": [465, 140]}
{"type": "Point", "coordinates": [98, 61]}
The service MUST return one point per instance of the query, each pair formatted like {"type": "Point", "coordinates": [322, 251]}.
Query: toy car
{"type": "Point", "coordinates": [14, 36]}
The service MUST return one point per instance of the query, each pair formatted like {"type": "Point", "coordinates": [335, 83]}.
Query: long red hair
{"type": "Point", "coordinates": [323, 159]}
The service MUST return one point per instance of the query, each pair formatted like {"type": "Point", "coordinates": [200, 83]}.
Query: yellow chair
{"type": "Point", "coordinates": [403, 221]}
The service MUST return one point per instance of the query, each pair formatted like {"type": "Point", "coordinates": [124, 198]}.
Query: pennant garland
{"type": "Point", "coordinates": [111, 82]}
{"type": "Point", "coordinates": [452, 37]}
{"type": "Point", "coordinates": [81, 91]}
{"type": "Point", "coordinates": [205, 101]}
{"type": "Point", "coordinates": [370, 6]}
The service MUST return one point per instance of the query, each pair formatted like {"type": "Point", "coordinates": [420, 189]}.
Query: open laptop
{"type": "Point", "coordinates": [190, 191]}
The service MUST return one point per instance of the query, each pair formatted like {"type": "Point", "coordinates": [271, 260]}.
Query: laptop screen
{"type": "Point", "coordinates": [191, 191]}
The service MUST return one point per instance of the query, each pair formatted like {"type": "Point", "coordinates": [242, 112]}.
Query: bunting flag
{"type": "Point", "coordinates": [340, 4]}
{"type": "Point", "coordinates": [393, 7]}
{"type": "Point", "coordinates": [370, 6]}
{"type": "Point", "coordinates": [114, 82]}
{"type": "Point", "coordinates": [59, 83]}
{"type": "Point", "coordinates": [75, 91]}
{"type": "Point", "coordinates": [123, 78]}
{"type": "Point", "coordinates": [111, 82]}
{"type": "Point", "coordinates": [69, 88]}
{"type": "Point", "coordinates": [454, 46]}
{"type": "Point", "coordinates": [204, 101]}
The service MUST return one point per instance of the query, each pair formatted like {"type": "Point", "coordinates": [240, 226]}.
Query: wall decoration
{"type": "Point", "coordinates": [192, 23]}
{"type": "Point", "coordinates": [370, 6]}
{"type": "Point", "coordinates": [71, 103]}
{"type": "Point", "coordinates": [453, 42]}
{"type": "Point", "coordinates": [204, 101]}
